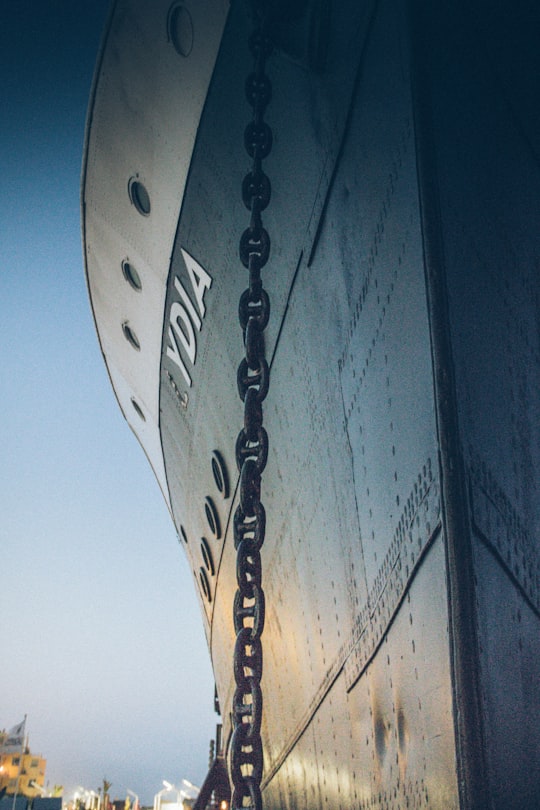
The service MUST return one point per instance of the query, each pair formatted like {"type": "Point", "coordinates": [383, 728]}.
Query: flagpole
{"type": "Point", "coordinates": [20, 768]}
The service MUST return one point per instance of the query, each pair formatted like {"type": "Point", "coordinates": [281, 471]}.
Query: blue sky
{"type": "Point", "coordinates": [100, 635]}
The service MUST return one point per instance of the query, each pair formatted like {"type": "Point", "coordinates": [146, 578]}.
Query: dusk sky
{"type": "Point", "coordinates": [101, 641]}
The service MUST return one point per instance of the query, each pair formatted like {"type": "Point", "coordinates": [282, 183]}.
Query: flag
{"type": "Point", "coordinates": [14, 739]}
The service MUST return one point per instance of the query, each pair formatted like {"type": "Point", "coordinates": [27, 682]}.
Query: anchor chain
{"type": "Point", "coordinates": [246, 763]}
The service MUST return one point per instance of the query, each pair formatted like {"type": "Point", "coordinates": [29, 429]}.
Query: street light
{"type": "Point", "coordinates": [136, 805]}
{"type": "Point", "coordinates": [174, 789]}
{"type": "Point", "coordinates": [95, 805]}
{"type": "Point", "coordinates": [157, 798]}
{"type": "Point", "coordinates": [170, 788]}
{"type": "Point", "coordinates": [85, 796]}
{"type": "Point", "coordinates": [191, 785]}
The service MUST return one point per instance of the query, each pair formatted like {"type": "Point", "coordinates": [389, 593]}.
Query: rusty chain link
{"type": "Point", "coordinates": [246, 763]}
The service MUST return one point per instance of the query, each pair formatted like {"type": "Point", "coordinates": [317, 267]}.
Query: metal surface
{"type": "Point", "coordinates": [488, 174]}
{"type": "Point", "coordinates": [402, 652]}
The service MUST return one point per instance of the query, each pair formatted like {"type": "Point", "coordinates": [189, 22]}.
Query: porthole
{"type": "Point", "coordinates": [130, 336]}
{"type": "Point", "coordinates": [131, 275]}
{"type": "Point", "coordinates": [138, 410]}
{"type": "Point", "coordinates": [139, 196]}
{"type": "Point", "coordinates": [205, 585]}
{"type": "Point", "coordinates": [180, 29]}
{"type": "Point", "coordinates": [219, 471]}
{"type": "Point", "coordinates": [207, 556]}
{"type": "Point", "coordinates": [212, 517]}
{"type": "Point", "coordinates": [184, 535]}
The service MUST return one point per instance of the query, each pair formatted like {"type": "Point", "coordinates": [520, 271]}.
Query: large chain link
{"type": "Point", "coordinates": [251, 448]}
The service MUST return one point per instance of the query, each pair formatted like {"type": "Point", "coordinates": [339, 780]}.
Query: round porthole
{"type": "Point", "coordinates": [207, 556]}
{"type": "Point", "coordinates": [130, 336]}
{"type": "Point", "coordinates": [180, 29]}
{"type": "Point", "coordinates": [205, 585]}
{"type": "Point", "coordinates": [212, 517]}
{"type": "Point", "coordinates": [139, 196]}
{"type": "Point", "coordinates": [219, 471]}
{"type": "Point", "coordinates": [131, 275]}
{"type": "Point", "coordinates": [138, 410]}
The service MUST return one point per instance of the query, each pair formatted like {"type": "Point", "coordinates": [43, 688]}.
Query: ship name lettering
{"type": "Point", "coordinates": [186, 316]}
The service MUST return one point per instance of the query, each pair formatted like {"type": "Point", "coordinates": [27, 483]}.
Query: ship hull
{"type": "Point", "coordinates": [400, 566]}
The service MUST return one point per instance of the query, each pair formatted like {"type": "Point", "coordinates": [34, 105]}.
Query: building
{"type": "Point", "coordinates": [28, 768]}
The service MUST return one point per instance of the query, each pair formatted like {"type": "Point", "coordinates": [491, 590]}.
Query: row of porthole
{"type": "Point", "coordinates": [221, 478]}
{"type": "Point", "coordinates": [180, 34]}
{"type": "Point", "coordinates": [140, 199]}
